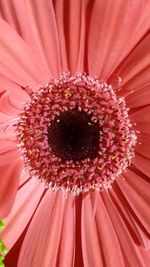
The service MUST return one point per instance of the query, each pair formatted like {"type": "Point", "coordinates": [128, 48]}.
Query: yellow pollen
{"type": "Point", "coordinates": [30, 152]}
{"type": "Point", "coordinates": [107, 117]}
{"type": "Point", "coordinates": [68, 94]}
{"type": "Point", "coordinates": [22, 144]}
{"type": "Point", "coordinates": [38, 134]}
{"type": "Point", "coordinates": [23, 117]}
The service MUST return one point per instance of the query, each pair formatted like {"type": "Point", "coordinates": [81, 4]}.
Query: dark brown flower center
{"type": "Point", "coordinates": [73, 136]}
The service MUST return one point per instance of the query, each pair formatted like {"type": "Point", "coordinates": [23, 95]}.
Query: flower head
{"type": "Point", "coordinates": [74, 132]}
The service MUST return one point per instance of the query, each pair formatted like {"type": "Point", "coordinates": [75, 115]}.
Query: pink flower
{"type": "Point", "coordinates": [107, 224]}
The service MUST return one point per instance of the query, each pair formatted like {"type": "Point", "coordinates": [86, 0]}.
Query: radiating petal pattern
{"type": "Point", "coordinates": [45, 233]}
{"type": "Point", "coordinates": [142, 164]}
{"type": "Point", "coordinates": [10, 175]}
{"type": "Point", "coordinates": [92, 250]}
{"type": "Point", "coordinates": [70, 19]}
{"type": "Point", "coordinates": [107, 51]}
{"type": "Point", "coordinates": [98, 243]}
{"type": "Point", "coordinates": [130, 252]}
{"type": "Point", "coordinates": [143, 146]}
{"type": "Point", "coordinates": [134, 70]}
{"type": "Point", "coordinates": [138, 233]}
{"type": "Point", "coordinates": [17, 60]}
{"type": "Point", "coordinates": [39, 40]}
{"type": "Point", "coordinates": [136, 191]}
{"type": "Point", "coordinates": [24, 206]}
{"type": "Point", "coordinates": [38, 28]}
{"type": "Point", "coordinates": [139, 97]}
{"type": "Point", "coordinates": [7, 105]}
{"type": "Point", "coordinates": [17, 94]}
{"type": "Point", "coordinates": [141, 118]}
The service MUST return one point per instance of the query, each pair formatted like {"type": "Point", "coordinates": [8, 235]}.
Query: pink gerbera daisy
{"type": "Point", "coordinates": [75, 133]}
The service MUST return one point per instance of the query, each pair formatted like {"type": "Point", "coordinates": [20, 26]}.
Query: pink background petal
{"type": "Point", "coordinates": [26, 201]}
{"type": "Point", "coordinates": [9, 177]}
{"type": "Point", "coordinates": [114, 30]}
{"type": "Point", "coordinates": [17, 59]}
{"type": "Point", "coordinates": [44, 233]}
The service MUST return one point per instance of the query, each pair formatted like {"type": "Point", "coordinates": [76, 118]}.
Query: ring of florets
{"type": "Point", "coordinates": [116, 140]}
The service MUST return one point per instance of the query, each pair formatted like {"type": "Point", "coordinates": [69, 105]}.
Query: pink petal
{"type": "Point", "coordinates": [7, 145]}
{"type": "Point", "coordinates": [139, 97]}
{"type": "Point", "coordinates": [6, 105]}
{"type": "Point", "coordinates": [10, 175]}
{"type": "Point", "coordinates": [7, 12]}
{"type": "Point", "coordinates": [38, 28]}
{"type": "Point", "coordinates": [17, 60]}
{"type": "Point", "coordinates": [130, 252]}
{"type": "Point", "coordinates": [142, 164]}
{"type": "Point", "coordinates": [111, 24]}
{"type": "Point", "coordinates": [26, 201]}
{"type": "Point", "coordinates": [59, 13]}
{"type": "Point", "coordinates": [7, 129]}
{"type": "Point", "coordinates": [134, 71]}
{"type": "Point", "coordinates": [72, 27]}
{"type": "Point", "coordinates": [67, 240]}
{"type": "Point", "coordinates": [142, 146]}
{"type": "Point", "coordinates": [7, 135]}
{"type": "Point", "coordinates": [91, 248]}
{"type": "Point", "coordinates": [145, 255]}
{"type": "Point", "coordinates": [6, 158]}
{"type": "Point", "coordinates": [17, 95]}
{"type": "Point", "coordinates": [43, 237]}
{"type": "Point", "coordinates": [7, 141]}
{"type": "Point", "coordinates": [78, 261]}
{"type": "Point", "coordinates": [22, 24]}
{"type": "Point", "coordinates": [137, 231]}
{"type": "Point", "coordinates": [136, 191]}
{"type": "Point", "coordinates": [11, 258]}
{"type": "Point", "coordinates": [141, 118]}
{"type": "Point", "coordinates": [24, 178]}
{"type": "Point", "coordinates": [5, 118]}
{"type": "Point", "coordinates": [82, 59]}
{"type": "Point", "coordinates": [107, 236]}
{"type": "Point", "coordinates": [8, 151]}
{"type": "Point", "coordinates": [72, 12]}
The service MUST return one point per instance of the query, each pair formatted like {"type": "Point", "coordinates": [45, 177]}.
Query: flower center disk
{"type": "Point", "coordinates": [75, 134]}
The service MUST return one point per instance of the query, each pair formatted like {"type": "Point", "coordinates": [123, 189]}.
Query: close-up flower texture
{"type": "Point", "coordinates": [74, 133]}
